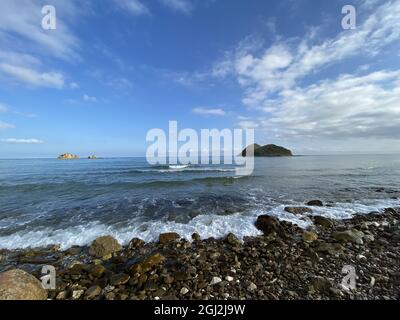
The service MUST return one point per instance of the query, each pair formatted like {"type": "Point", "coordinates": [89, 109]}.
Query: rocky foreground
{"type": "Point", "coordinates": [285, 263]}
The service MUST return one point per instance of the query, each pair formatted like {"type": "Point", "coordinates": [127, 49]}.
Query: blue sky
{"type": "Point", "coordinates": [114, 69]}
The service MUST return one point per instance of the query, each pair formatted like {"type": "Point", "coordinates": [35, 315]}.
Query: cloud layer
{"type": "Point", "coordinates": [22, 141]}
{"type": "Point", "coordinates": [348, 105]}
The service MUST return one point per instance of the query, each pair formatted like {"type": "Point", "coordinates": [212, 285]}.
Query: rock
{"type": "Point", "coordinates": [251, 287]}
{"type": "Point", "coordinates": [136, 243]}
{"type": "Point", "coordinates": [73, 251]}
{"type": "Point", "coordinates": [321, 284]}
{"type": "Point", "coordinates": [298, 210]}
{"type": "Point", "coordinates": [215, 280]}
{"type": "Point", "coordinates": [92, 292]}
{"type": "Point", "coordinates": [329, 248]}
{"type": "Point", "coordinates": [182, 276]}
{"type": "Point", "coordinates": [315, 203]}
{"type": "Point", "coordinates": [61, 295]}
{"type": "Point", "coordinates": [17, 284]}
{"type": "Point", "coordinates": [268, 225]}
{"type": "Point", "coordinates": [148, 264]}
{"type": "Point", "coordinates": [92, 157]}
{"type": "Point", "coordinates": [77, 294]}
{"type": "Point", "coordinates": [104, 246]}
{"type": "Point", "coordinates": [97, 270]}
{"type": "Point", "coordinates": [352, 235]}
{"type": "Point", "coordinates": [119, 279]}
{"type": "Point", "coordinates": [184, 291]}
{"type": "Point", "coordinates": [229, 278]}
{"type": "Point", "coordinates": [169, 237]}
{"type": "Point", "coordinates": [232, 239]}
{"type": "Point", "coordinates": [322, 221]}
{"type": "Point", "coordinates": [372, 282]}
{"type": "Point", "coordinates": [169, 279]}
{"type": "Point", "coordinates": [369, 238]}
{"type": "Point", "coordinates": [67, 156]}
{"type": "Point", "coordinates": [309, 236]}
{"type": "Point", "coordinates": [196, 237]}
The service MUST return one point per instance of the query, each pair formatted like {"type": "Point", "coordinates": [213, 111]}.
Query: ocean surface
{"type": "Point", "coordinates": [47, 201]}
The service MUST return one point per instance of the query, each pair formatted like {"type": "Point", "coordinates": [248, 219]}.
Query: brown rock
{"type": "Point", "coordinates": [147, 264]}
{"type": "Point", "coordinates": [321, 284]}
{"type": "Point", "coordinates": [268, 224]}
{"type": "Point", "coordinates": [119, 279]}
{"type": "Point", "coordinates": [323, 222]}
{"type": "Point", "coordinates": [169, 237]}
{"type": "Point", "coordinates": [19, 285]}
{"type": "Point", "coordinates": [232, 239]}
{"type": "Point", "coordinates": [104, 246]}
{"type": "Point", "coordinates": [92, 292]}
{"type": "Point", "coordinates": [97, 270]}
{"type": "Point", "coordinates": [196, 237]}
{"type": "Point", "coordinates": [309, 236]}
{"type": "Point", "coordinates": [136, 243]}
{"type": "Point", "coordinates": [352, 235]}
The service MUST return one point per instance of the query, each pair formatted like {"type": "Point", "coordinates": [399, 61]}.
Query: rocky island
{"type": "Point", "coordinates": [68, 156]}
{"type": "Point", "coordinates": [269, 150]}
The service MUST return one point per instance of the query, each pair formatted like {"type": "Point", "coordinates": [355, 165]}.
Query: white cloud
{"type": "Point", "coordinates": [184, 6]}
{"type": "Point", "coordinates": [209, 111]}
{"type": "Point", "coordinates": [88, 98]}
{"type": "Point", "coordinates": [281, 66]}
{"type": "Point", "coordinates": [5, 125]}
{"type": "Point", "coordinates": [22, 141]}
{"type": "Point", "coordinates": [347, 107]}
{"type": "Point", "coordinates": [24, 17]}
{"type": "Point", "coordinates": [33, 77]}
{"type": "Point", "coordinates": [27, 43]}
{"type": "Point", "coordinates": [135, 7]}
{"type": "Point", "coordinates": [248, 124]}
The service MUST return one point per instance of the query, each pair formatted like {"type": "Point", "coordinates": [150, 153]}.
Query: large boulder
{"type": "Point", "coordinates": [104, 247]}
{"type": "Point", "coordinates": [268, 225]}
{"type": "Point", "coordinates": [17, 284]}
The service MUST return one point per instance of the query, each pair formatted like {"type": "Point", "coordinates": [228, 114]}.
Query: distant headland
{"type": "Point", "coordinates": [269, 150]}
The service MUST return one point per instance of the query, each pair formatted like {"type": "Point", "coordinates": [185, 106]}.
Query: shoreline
{"type": "Point", "coordinates": [286, 262]}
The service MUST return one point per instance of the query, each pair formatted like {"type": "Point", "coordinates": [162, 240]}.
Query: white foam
{"type": "Point", "coordinates": [206, 225]}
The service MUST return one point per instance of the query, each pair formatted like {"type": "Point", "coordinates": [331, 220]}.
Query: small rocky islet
{"type": "Point", "coordinates": [285, 263]}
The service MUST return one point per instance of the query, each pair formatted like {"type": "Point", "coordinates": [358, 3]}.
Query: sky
{"type": "Point", "coordinates": [114, 69]}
